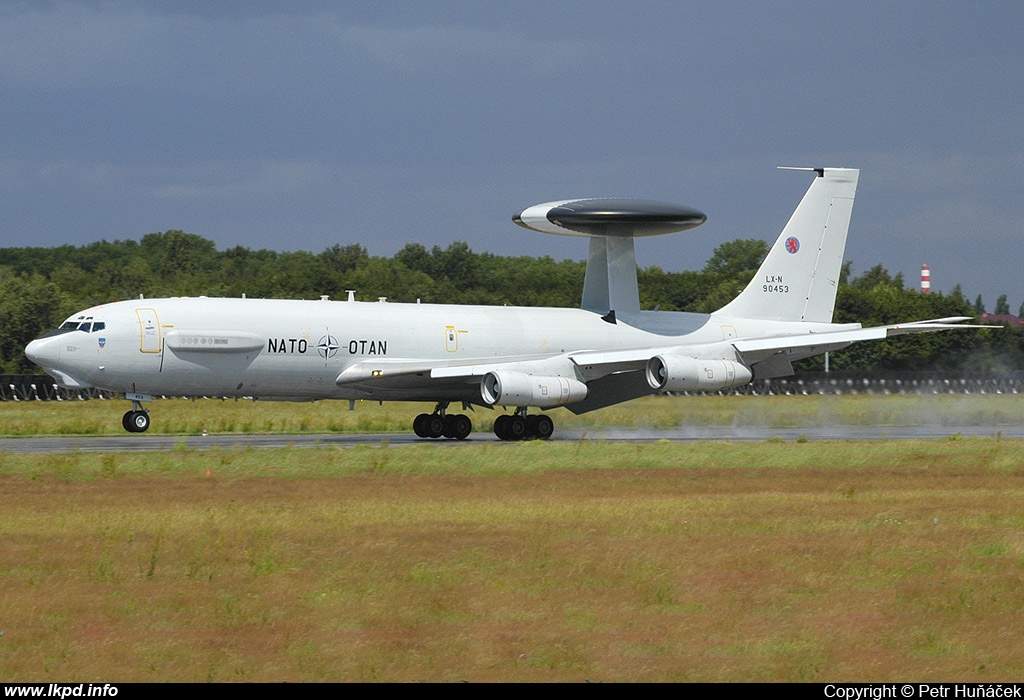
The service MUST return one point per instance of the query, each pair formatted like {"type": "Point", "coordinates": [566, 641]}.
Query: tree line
{"type": "Point", "coordinates": [40, 287]}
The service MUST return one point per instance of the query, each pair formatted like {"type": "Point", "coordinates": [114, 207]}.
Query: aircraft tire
{"type": "Point", "coordinates": [126, 421]}
{"type": "Point", "coordinates": [419, 425]}
{"type": "Point", "coordinates": [461, 427]}
{"type": "Point", "coordinates": [435, 425]}
{"type": "Point", "coordinates": [542, 427]}
{"type": "Point", "coordinates": [139, 421]}
{"type": "Point", "coordinates": [449, 427]}
{"type": "Point", "coordinates": [501, 428]}
{"type": "Point", "coordinates": [517, 428]}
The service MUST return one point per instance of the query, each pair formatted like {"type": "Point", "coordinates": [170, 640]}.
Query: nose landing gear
{"type": "Point", "coordinates": [137, 419]}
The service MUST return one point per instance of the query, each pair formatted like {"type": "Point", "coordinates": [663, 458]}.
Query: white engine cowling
{"type": "Point", "coordinates": [511, 388]}
{"type": "Point", "coordinates": [680, 373]}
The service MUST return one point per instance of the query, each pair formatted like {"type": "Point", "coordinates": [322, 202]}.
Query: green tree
{"type": "Point", "coordinates": [379, 277]}
{"type": "Point", "coordinates": [737, 257]}
{"type": "Point", "coordinates": [177, 252]}
{"type": "Point", "coordinates": [29, 306]}
{"type": "Point", "coordinates": [456, 263]}
{"type": "Point", "coordinates": [39, 287]}
{"type": "Point", "coordinates": [877, 298]}
{"type": "Point", "coordinates": [729, 269]}
{"type": "Point", "coordinates": [344, 258]}
{"type": "Point", "coordinates": [877, 276]}
{"type": "Point", "coordinates": [415, 257]}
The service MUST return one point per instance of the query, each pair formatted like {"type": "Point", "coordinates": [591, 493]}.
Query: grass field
{"type": "Point", "coordinates": [795, 561]}
{"type": "Point", "coordinates": [184, 417]}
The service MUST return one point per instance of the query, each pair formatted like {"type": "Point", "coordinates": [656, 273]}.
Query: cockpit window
{"type": "Point", "coordinates": [82, 323]}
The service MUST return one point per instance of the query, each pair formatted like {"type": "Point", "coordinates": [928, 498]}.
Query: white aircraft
{"type": "Point", "coordinates": [604, 353]}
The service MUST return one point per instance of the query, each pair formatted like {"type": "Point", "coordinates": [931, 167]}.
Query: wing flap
{"type": "Point", "coordinates": [377, 370]}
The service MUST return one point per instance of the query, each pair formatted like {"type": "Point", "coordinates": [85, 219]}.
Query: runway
{"type": "Point", "coordinates": [155, 443]}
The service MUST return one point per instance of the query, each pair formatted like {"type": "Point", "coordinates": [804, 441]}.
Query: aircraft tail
{"type": "Point", "coordinates": [798, 279]}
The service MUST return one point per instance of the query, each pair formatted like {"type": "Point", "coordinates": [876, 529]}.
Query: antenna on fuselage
{"type": "Point", "coordinates": [611, 225]}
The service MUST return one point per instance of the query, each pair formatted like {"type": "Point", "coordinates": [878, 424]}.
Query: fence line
{"type": "Point", "coordinates": [886, 383]}
{"type": "Point", "coordinates": [41, 387]}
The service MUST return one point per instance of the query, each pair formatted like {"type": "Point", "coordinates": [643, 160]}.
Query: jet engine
{"type": "Point", "coordinates": [511, 388]}
{"type": "Point", "coordinates": [681, 373]}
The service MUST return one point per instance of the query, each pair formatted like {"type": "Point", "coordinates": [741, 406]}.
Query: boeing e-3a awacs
{"type": "Point", "coordinates": [519, 358]}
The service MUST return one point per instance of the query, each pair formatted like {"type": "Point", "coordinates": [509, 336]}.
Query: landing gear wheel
{"type": "Point", "coordinates": [461, 427]}
{"type": "Point", "coordinates": [517, 428]}
{"type": "Point", "coordinates": [435, 425]}
{"type": "Point", "coordinates": [449, 427]}
{"type": "Point", "coordinates": [520, 426]}
{"type": "Point", "coordinates": [136, 421]}
{"type": "Point", "coordinates": [501, 427]}
{"type": "Point", "coordinates": [441, 424]}
{"type": "Point", "coordinates": [540, 427]}
{"type": "Point", "coordinates": [512, 427]}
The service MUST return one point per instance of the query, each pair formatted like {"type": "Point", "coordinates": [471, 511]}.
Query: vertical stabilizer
{"type": "Point", "coordinates": [798, 279]}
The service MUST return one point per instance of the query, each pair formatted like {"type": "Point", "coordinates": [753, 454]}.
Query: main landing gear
{"type": "Point", "coordinates": [520, 426]}
{"type": "Point", "coordinates": [440, 424]}
{"type": "Point", "coordinates": [137, 419]}
{"type": "Point", "coordinates": [517, 426]}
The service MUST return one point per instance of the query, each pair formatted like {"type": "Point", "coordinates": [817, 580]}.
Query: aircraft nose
{"type": "Point", "coordinates": [45, 352]}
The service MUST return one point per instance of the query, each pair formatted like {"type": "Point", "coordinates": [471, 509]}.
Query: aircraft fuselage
{"type": "Point", "coordinates": [297, 349]}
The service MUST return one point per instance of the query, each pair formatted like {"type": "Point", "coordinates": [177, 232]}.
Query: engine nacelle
{"type": "Point", "coordinates": [680, 373]}
{"type": "Point", "coordinates": [511, 388]}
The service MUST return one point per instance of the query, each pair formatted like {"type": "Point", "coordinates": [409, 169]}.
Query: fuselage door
{"type": "Point", "coordinates": [150, 339]}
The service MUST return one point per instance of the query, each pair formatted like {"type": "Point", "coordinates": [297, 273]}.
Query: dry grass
{"type": "Point", "coordinates": [534, 562]}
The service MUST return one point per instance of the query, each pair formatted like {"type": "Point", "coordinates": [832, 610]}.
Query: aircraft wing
{"type": "Point", "coordinates": [603, 373]}
{"type": "Point", "coordinates": [611, 376]}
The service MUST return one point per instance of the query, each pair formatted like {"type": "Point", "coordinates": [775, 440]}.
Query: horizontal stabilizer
{"type": "Point", "coordinates": [756, 349]}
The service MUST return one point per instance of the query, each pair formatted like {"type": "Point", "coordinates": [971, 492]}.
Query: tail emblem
{"type": "Point", "coordinates": [792, 244]}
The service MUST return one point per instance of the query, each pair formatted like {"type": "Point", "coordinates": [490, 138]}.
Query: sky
{"type": "Point", "coordinates": [300, 125]}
